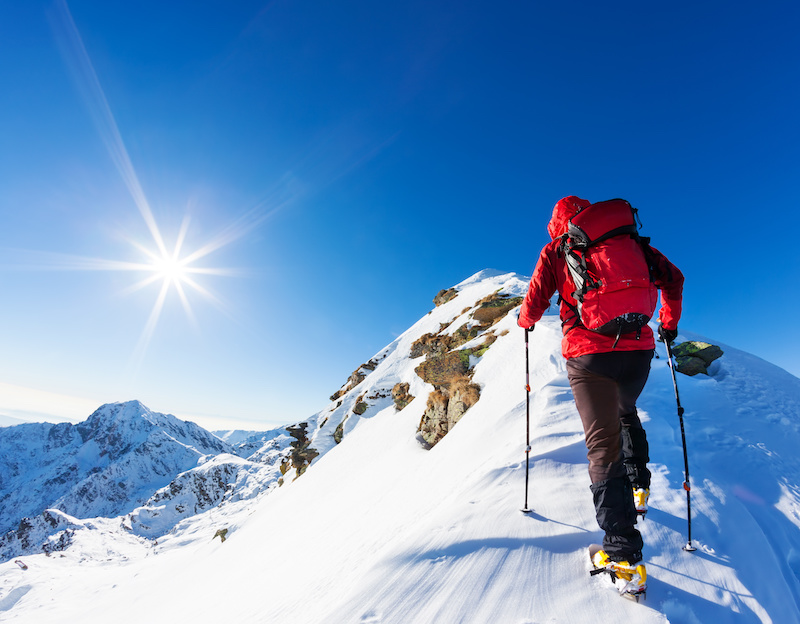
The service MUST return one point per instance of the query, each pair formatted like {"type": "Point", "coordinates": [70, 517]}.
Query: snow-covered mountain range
{"type": "Point", "coordinates": [104, 466]}
{"type": "Point", "coordinates": [399, 501]}
{"type": "Point", "coordinates": [148, 470]}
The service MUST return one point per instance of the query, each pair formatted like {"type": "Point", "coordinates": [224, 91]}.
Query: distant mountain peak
{"type": "Point", "coordinates": [127, 411]}
{"type": "Point", "coordinates": [104, 466]}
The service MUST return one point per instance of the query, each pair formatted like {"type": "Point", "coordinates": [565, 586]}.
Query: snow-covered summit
{"type": "Point", "coordinates": [139, 424]}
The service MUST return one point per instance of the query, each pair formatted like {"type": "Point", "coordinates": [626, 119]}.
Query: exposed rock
{"type": "Point", "coordinates": [400, 395]}
{"type": "Point", "coordinates": [443, 296]}
{"type": "Point", "coordinates": [302, 454]}
{"type": "Point", "coordinates": [443, 369]}
{"type": "Point", "coordinates": [463, 335]}
{"type": "Point", "coordinates": [691, 366]}
{"type": "Point", "coordinates": [438, 344]}
{"type": "Point", "coordinates": [360, 408]}
{"type": "Point", "coordinates": [693, 357]}
{"type": "Point", "coordinates": [447, 365]}
{"type": "Point", "coordinates": [463, 395]}
{"type": "Point", "coordinates": [434, 424]}
{"type": "Point", "coordinates": [430, 344]}
{"type": "Point", "coordinates": [493, 308]}
{"type": "Point", "coordinates": [338, 435]}
{"type": "Point", "coordinates": [48, 532]}
{"type": "Point", "coordinates": [356, 377]}
{"type": "Point", "coordinates": [445, 408]}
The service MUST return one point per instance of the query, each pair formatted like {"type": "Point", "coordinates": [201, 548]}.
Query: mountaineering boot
{"type": "Point", "coordinates": [634, 577]}
{"type": "Point", "coordinates": [640, 497]}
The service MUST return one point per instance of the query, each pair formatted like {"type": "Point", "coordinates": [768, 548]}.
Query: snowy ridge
{"type": "Point", "coordinates": [381, 529]}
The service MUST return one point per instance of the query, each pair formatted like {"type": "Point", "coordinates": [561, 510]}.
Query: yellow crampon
{"type": "Point", "coordinates": [640, 497]}
{"type": "Point", "coordinates": [634, 577]}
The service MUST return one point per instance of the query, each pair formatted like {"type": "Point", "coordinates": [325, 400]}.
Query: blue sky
{"type": "Point", "coordinates": [348, 160]}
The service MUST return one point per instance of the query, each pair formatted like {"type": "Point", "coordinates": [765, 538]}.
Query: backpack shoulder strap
{"type": "Point", "coordinates": [578, 272]}
{"type": "Point", "coordinates": [576, 317]}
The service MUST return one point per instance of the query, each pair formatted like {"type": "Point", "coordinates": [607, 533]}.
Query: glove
{"type": "Point", "coordinates": [667, 335]}
{"type": "Point", "coordinates": [527, 329]}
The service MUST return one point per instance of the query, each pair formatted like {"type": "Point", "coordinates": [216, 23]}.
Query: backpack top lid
{"type": "Point", "coordinates": [601, 221]}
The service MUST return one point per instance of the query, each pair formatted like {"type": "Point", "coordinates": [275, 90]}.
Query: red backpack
{"type": "Point", "coordinates": [609, 265]}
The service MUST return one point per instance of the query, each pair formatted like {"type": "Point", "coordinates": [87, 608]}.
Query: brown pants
{"type": "Point", "coordinates": [606, 387]}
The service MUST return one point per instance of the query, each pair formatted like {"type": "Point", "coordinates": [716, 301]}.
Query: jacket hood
{"type": "Point", "coordinates": [564, 210]}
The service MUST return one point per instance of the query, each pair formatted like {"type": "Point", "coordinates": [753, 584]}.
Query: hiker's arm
{"type": "Point", "coordinates": [669, 280]}
{"type": "Point", "coordinates": [541, 289]}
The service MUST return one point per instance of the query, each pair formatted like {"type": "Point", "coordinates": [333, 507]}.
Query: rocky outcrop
{"type": "Point", "coordinates": [360, 407]}
{"type": "Point", "coordinates": [494, 307]}
{"type": "Point", "coordinates": [448, 364]}
{"type": "Point", "coordinates": [443, 296]}
{"type": "Point", "coordinates": [450, 374]}
{"type": "Point", "coordinates": [693, 358]}
{"type": "Point", "coordinates": [338, 434]}
{"type": "Point", "coordinates": [401, 395]}
{"type": "Point", "coordinates": [356, 377]}
{"type": "Point", "coordinates": [439, 344]}
{"type": "Point", "coordinates": [445, 408]}
{"type": "Point", "coordinates": [441, 370]}
{"type": "Point", "coordinates": [48, 532]}
{"type": "Point", "coordinates": [302, 454]}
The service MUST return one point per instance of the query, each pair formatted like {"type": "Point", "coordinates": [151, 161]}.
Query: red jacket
{"type": "Point", "coordinates": [551, 275]}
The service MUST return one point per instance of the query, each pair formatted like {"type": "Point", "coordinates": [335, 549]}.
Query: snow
{"type": "Point", "coordinates": [380, 529]}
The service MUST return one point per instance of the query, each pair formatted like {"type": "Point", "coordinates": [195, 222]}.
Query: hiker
{"type": "Point", "coordinates": [607, 373]}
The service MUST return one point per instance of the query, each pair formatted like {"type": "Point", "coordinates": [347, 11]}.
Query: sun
{"type": "Point", "coordinates": [170, 269]}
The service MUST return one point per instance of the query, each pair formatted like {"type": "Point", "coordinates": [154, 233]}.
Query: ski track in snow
{"type": "Point", "coordinates": [381, 530]}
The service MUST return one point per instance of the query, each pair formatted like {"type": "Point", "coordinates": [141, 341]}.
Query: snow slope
{"type": "Point", "coordinates": [381, 529]}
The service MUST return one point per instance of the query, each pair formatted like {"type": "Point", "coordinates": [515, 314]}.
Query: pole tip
{"type": "Point", "coordinates": [689, 547]}
{"type": "Point", "coordinates": [526, 510]}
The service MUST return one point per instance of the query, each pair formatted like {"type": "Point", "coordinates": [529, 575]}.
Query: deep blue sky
{"type": "Point", "coordinates": [368, 154]}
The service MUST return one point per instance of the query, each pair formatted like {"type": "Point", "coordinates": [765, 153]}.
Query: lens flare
{"type": "Point", "coordinates": [169, 269]}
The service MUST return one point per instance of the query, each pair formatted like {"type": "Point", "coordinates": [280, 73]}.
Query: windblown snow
{"type": "Point", "coordinates": [382, 529]}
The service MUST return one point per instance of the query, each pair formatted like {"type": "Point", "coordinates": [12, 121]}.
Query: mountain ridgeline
{"type": "Point", "coordinates": [155, 472]}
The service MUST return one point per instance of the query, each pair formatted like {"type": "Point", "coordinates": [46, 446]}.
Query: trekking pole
{"type": "Point", "coordinates": [526, 509]}
{"type": "Point", "coordinates": [686, 484]}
